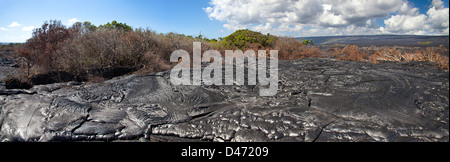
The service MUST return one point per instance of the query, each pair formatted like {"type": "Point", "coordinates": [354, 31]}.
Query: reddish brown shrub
{"type": "Point", "coordinates": [292, 49]}
{"type": "Point", "coordinates": [152, 62]}
{"type": "Point", "coordinates": [41, 48]}
{"type": "Point", "coordinates": [427, 54]}
{"type": "Point", "coordinates": [349, 53]}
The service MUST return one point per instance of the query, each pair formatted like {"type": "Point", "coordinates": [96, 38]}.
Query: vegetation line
{"type": "Point", "coordinates": [86, 52]}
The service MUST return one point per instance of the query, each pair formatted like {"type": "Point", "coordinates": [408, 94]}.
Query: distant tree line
{"type": "Point", "coordinates": [10, 46]}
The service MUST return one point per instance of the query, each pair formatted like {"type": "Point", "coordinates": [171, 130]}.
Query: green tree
{"type": "Point", "coordinates": [116, 25]}
{"type": "Point", "coordinates": [241, 38]}
{"type": "Point", "coordinates": [307, 42]}
{"type": "Point", "coordinates": [89, 26]}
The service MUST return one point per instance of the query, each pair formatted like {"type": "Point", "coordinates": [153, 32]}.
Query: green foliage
{"type": "Point", "coordinates": [89, 26]}
{"type": "Point", "coordinates": [200, 36]}
{"type": "Point", "coordinates": [115, 25]}
{"type": "Point", "coordinates": [425, 43]}
{"type": "Point", "coordinates": [241, 38]}
{"type": "Point", "coordinates": [307, 42]}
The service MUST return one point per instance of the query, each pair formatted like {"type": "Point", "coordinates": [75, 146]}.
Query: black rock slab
{"type": "Point", "coordinates": [317, 100]}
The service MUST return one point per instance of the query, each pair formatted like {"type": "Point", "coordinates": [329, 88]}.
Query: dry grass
{"type": "Point", "coordinates": [355, 53]}
{"type": "Point", "coordinates": [428, 55]}
{"type": "Point", "coordinates": [349, 53]}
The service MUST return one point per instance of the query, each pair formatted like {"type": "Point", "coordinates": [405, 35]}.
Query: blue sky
{"type": "Point", "coordinates": [218, 18]}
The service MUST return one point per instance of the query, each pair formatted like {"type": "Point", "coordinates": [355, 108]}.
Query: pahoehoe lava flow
{"type": "Point", "coordinates": [317, 100]}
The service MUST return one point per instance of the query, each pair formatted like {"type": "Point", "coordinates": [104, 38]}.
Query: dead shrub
{"type": "Point", "coordinates": [152, 62]}
{"type": "Point", "coordinates": [292, 49]}
{"type": "Point", "coordinates": [41, 48]}
{"type": "Point", "coordinates": [426, 54]}
{"type": "Point", "coordinates": [86, 52]}
{"type": "Point", "coordinates": [349, 53]}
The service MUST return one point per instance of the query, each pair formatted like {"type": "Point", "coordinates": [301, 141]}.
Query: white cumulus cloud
{"type": "Point", "coordinates": [72, 21]}
{"type": "Point", "coordinates": [406, 24]}
{"type": "Point", "coordinates": [334, 17]}
{"type": "Point", "coordinates": [439, 17]}
{"type": "Point", "coordinates": [407, 9]}
{"type": "Point", "coordinates": [14, 24]}
{"type": "Point", "coordinates": [27, 28]}
{"type": "Point", "coordinates": [357, 12]}
{"type": "Point", "coordinates": [410, 21]}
